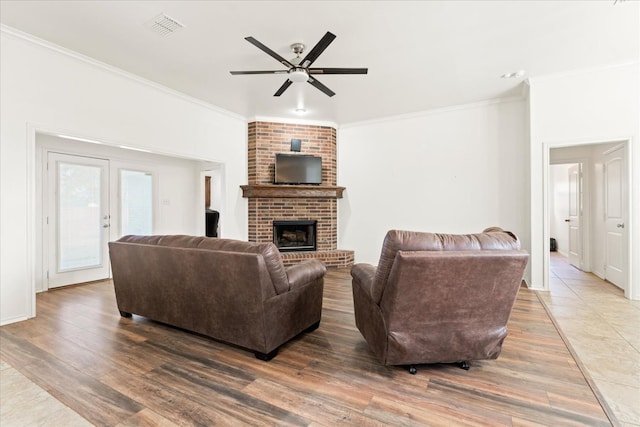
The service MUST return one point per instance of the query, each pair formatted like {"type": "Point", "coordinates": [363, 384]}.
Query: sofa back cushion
{"type": "Point", "coordinates": [493, 238]}
{"type": "Point", "coordinates": [269, 251]}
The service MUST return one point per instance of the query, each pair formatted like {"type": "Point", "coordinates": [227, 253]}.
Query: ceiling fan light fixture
{"type": "Point", "coordinates": [298, 70]}
{"type": "Point", "coordinates": [298, 75]}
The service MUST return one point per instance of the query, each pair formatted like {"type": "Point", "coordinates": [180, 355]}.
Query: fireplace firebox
{"type": "Point", "coordinates": [295, 235]}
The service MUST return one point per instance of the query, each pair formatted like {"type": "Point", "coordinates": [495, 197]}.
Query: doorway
{"type": "Point", "coordinates": [213, 196]}
{"type": "Point", "coordinates": [592, 178]}
{"type": "Point", "coordinates": [564, 183]}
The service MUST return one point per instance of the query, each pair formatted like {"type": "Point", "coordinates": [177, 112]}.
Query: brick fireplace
{"type": "Point", "coordinates": [269, 202]}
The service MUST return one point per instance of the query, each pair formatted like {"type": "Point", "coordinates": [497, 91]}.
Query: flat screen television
{"type": "Point", "coordinates": [298, 169]}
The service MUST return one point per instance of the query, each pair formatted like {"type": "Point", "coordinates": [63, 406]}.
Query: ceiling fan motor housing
{"type": "Point", "coordinates": [297, 48]}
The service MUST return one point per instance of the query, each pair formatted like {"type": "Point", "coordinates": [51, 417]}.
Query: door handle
{"type": "Point", "coordinates": [567, 220]}
{"type": "Point", "coordinates": [621, 225]}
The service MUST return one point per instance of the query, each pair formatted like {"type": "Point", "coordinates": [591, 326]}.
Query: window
{"type": "Point", "coordinates": [136, 202]}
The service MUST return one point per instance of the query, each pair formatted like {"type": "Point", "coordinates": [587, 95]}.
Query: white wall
{"type": "Point", "coordinates": [455, 170]}
{"type": "Point", "coordinates": [48, 89]}
{"type": "Point", "coordinates": [599, 105]}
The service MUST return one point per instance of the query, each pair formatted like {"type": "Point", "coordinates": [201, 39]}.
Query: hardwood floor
{"type": "Point", "coordinates": [116, 371]}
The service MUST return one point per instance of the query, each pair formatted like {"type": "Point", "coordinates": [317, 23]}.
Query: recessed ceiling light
{"type": "Point", "coordinates": [513, 75]}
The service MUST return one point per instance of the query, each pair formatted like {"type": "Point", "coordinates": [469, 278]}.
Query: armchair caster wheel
{"type": "Point", "coordinates": [412, 370]}
{"type": "Point", "coordinates": [464, 365]}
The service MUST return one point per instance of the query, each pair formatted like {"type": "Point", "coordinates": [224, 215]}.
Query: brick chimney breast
{"type": "Point", "coordinates": [265, 139]}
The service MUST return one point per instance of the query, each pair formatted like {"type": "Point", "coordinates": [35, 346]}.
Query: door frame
{"type": "Point", "coordinates": [629, 292]}
{"type": "Point", "coordinates": [585, 214]}
{"type": "Point", "coordinates": [584, 223]}
{"type": "Point", "coordinates": [216, 172]}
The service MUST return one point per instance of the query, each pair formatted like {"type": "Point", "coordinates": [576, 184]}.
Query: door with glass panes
{"type": "Point", "coordinates": [78, 219]}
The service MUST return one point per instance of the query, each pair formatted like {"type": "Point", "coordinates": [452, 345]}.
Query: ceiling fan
{"type": "Point", "coordinates": [298, 68]}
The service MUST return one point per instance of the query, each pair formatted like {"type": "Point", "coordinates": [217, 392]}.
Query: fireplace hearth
{"type": "Point", "coordinates": [295, 235]}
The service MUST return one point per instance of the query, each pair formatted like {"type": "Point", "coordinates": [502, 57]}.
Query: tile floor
{"type": "Point", "coordinates": [603, 328]}
{"type": "Point", "coordinates": [600, 325]}
{"type": "Point", "coordinates": [18, 398]}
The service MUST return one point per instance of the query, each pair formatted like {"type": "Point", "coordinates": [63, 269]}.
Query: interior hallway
{"type": "Point", "coordinates": [602, 329]}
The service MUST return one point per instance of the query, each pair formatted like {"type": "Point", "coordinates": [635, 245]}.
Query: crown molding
{"type": "Point", "coordinates": [20, 35]}
{"type": "Point", "coordinates": [293, 121]}
{"type": "Point", "coordinates": [435, 111]}
{"type": "Point", "coordinates": [581, 71]}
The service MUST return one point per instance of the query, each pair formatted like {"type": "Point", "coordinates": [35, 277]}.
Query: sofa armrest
{"type": "Point", "coordinates": [305, 272]}
{"type": "Point", "coordinates": [363, 275]}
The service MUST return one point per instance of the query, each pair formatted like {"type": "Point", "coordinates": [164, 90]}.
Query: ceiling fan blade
{"type": "Point", "coordinates": [317, 49]}
{"type": "Point", "coordinates": [269, 52]}
{"type": "Point", "coordinates": [315, 83]}
{"type": "Point", "coordinates": [237, 73]}
{"type": "Point", "coordinates": [284, 87]}
{"type": "Point", "coordinates": [338, 70]}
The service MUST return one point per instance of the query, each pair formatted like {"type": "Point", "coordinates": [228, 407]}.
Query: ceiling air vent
{"type": "Point", "coordinates": [164, 25]}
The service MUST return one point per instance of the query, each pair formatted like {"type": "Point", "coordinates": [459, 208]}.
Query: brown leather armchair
{"type": "Point", "coordinates": [438, 298]}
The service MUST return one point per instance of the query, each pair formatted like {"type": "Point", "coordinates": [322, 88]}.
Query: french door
{"type": "Point", "coordinates": [78, 219]}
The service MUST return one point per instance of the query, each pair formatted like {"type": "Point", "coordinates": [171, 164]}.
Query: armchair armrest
{"type": "Point", "coordinates": [363, 275]}
{"type": "Point", "coordinates": [305, 272]}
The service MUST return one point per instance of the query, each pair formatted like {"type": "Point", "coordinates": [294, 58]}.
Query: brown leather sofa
{"type": "Point", "coordinates": [233, 291]}
{"type": "Point", "coordinates": [438, 298]}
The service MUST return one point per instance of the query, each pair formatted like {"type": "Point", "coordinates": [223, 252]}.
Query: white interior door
{"type": "Point", "coordinates": [78, 219]}
{"type": "Point", "coordinates": [575, 216]}
{"type": "Point", "coordinates": [615, 190]}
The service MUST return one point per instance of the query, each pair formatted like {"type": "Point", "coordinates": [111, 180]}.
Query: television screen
{"type": "Point", "coordinates": [298, 169]}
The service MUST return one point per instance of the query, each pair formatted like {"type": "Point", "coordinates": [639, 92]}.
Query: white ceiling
{"type": "Point", "coordinates": [421, 55]}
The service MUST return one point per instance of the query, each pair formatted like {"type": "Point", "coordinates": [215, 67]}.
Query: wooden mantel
{"type": "Point", "coordinates": [292, 191]}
